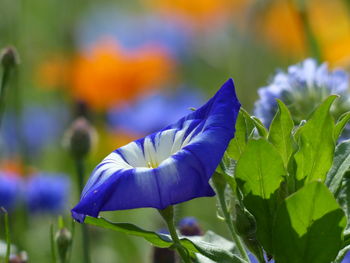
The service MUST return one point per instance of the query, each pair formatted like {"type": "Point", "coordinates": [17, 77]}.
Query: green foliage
{"type": "Point", "coordinates": [316, 145]}
{"type": "Point", "coordinates": [280, 134]}
{"type": "Point", "coordinates": [210, 245]}
{"type": "Point", "coordinates": [281, 177]}
{"type": "Point", "coordinates": [308, 226]}
{"type": "Point", "coordinates": [341, 164]}
{"type": "Point", "coordinates": [259, 173]}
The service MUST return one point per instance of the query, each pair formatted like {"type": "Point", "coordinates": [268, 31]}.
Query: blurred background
{"type": "Point", "coordinates": [131, 68]}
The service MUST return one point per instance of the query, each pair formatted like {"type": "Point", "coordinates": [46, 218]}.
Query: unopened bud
{"type": "Point", "coordinates": [189, 226]}
{"type": "Point", "coordinates": [63, 241]}
{"type": "Point", "coordinates": [9, 57]}
{"type": "Point", "coordinates": [80, 138]}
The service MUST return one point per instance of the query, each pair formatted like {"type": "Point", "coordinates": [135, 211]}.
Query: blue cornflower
{"type": "Point", "coordinates": [47, 192]}
{"type": "Point", "coordinates": [9, 190]}
{"type": "Point", "coordinates": [302, 88]}
{"type": "Point", "coordinates": [168, 167]}
{"type": "Point", "coordinates": [38, 127]}
{"type": "Point", "coordinates": [153, 112]}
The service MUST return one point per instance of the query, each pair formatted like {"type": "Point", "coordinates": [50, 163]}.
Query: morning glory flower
{"type": "Point", "coordinates": [189, 226]}
{"type": "Point", "coordinates": [302, 88]}
{"type": "Point", "coordinates": [153, 112]}
{"type": "Point", "coordinates": [168, 167]}
{"type": "Point", "coordinates": [47, 193]}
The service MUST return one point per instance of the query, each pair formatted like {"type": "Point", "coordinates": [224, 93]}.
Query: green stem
{"type": "Point", "coordinates": [7, 235]}
{"type": "Point", "coordinates": [85, 233]}
{"type": "Point", "coordinates": [168, 215]}
{"type": "Point", "coordinates": [53, 245]}
{"type": "Point", "coordinates": [229, 223]}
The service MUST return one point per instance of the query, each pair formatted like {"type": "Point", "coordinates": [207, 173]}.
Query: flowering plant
{"type": "Point", "coordinates": [283, 191]}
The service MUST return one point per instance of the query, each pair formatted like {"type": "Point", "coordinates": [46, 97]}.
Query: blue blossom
{"type": "Point", "coordinates": [302, 88]}
{"type": "Point", "coordinates": [47, 192]}
{"type": "Point", "coordinates": [132, 31]}
{"type": "Point", "coordinates": [38, 127]}
{"type": "Point", "coordinates": [168, 167]}
{"type": "Point", "coordinates": [9, 190]}
{"type": "Point", "coordinates": [189, 226]}
{"type": "Point", "coordinates": [153, 112]}
{"type": "Point", "coordinates": [346, 258]}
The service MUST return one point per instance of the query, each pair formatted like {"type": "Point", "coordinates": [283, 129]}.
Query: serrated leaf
{"type": "Point", "coordinates": [217, 253]}
{"type": "Point", "coordinates": [259, 173]}
{"type": "Point", "coordinates": [280, 134]}
{"type": "Point", "coordinates": [341, 123]}
{"type": "Point", "coordinates": [341, 164]}
{"type": "Point", "coordinates": [316, 145]}
{"type": "Point", "coordinates": [308, 226]}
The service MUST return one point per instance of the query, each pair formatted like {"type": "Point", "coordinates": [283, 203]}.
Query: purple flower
{"type": "Point", "coordinates": [170, 166]}
{"type": "Point", "coordinates": [47, 193]}
{"type": "Point", "coordinates": [9, 190]}
{"type": "Point", "coordinates": [302, 88]}
{"type": "Point", "coordinates": [189, 226]}
{"type": "Point", "coordinates": [153, 112]}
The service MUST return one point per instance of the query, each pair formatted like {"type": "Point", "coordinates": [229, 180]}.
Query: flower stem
{"type": "Point", "coordinates": [7, 235]}
{"type": "Point", "coordinates": [229, 223]}
{"type": "Point", "coordinates": [168, 216]}
{"type": "Point", "coordinates": [85, 233]}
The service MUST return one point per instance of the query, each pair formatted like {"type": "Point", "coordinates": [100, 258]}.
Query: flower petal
{"type": "Point", "coordinates": [165, 168]}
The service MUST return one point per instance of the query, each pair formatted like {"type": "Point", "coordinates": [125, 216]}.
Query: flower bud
{"type": "Point", "coordinates": [9, 57]}
{"type": "Point", "coordinates": [189, 226]}
{"type": "Point", "coordinates": [80, 138]}
{"type": "Point", "coordinates": [63, 241]}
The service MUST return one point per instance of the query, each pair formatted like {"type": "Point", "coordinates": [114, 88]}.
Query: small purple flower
{"type": "Point", "coordinates": [302, 88]}
{"type": "Point", "coordinates": [153, 112]}
{"type": "Point", "coordinates": [47, 193]}
{"type": "Point", "coordinates": [346, 258]}
{"type": "Point", "coordinates": [170, 166]}
{"type": "Point", "coordinates": [189, 226]}
{"type": "Point", "coordinates": [9, 190]}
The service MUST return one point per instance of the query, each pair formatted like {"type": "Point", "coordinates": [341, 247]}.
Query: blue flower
{"type": "Point", "coordinates": [9, 190]}
{"type": "Point", "coordinates": [346, 258]}
{"type": "Point", "coordinates": [168, 167]}
{"type": "Point", "coordinates": [153, 112]}
{"type": "Point", "coordinates": [47, 193]}
{"type": "Point", "coordinates": [39, 126]}
{"type": "Point", "coordinates": [189, 226]}
{"type": "Point", "coordinates": [302, 88]}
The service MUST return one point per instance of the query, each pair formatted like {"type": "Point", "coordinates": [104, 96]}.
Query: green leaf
{"type": "Point", "coordinates": [316, 145]}
{"type": "Point", "coordinates": [263, 132]}
{"type": "Point", "coordinates": [244, 127]}
{"type": "Point", "coordinates": [221, 252]}
{"type": "Point", "coordinates": [259, 173]}
{"type": "Point", "coordinates": [280, 134]}
{"type": "Point", "coordinates": [309, 226]}
{"type": "Point", "coordinates": [341, 123]}
{"type": "Point", "coordinates": [343, 199]}
{"type": "Point", "coordinates": [341, 164]}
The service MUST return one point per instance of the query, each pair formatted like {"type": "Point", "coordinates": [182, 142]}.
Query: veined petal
{"type": "Point", "coordinates": [165, 168]}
